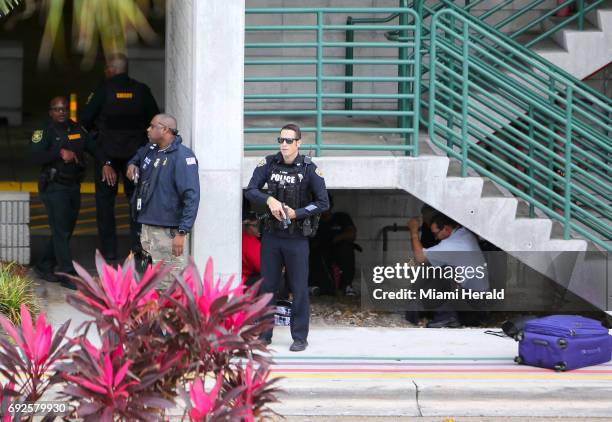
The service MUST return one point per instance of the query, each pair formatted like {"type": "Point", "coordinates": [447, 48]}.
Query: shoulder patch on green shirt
{"type": "Point", "coordinates": [37, 136]}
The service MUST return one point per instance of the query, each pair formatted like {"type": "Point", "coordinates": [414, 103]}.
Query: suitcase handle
{"type": "Point", "coordinates": [539, 342]}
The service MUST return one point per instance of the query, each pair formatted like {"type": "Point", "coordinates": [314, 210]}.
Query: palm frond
{"type": "Point", "coordinates": [7, 5]}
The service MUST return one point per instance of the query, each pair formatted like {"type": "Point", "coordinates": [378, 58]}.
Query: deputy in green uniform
{"type": "Point", "coordinates": [59, 148]}
{"type": "Point", "coordinates": [119, 110]}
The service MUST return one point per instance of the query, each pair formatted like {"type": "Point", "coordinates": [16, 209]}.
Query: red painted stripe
{"type": "Point", "coordinates": [408, 371]}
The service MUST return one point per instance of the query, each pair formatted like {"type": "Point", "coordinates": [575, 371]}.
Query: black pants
{"type": "Point", "coordinates": [62, 203]}
{"type": "Point", "coordinates": [341, 254]}
{"type": "Point", "coordinates": [105, 210]}
{"type": "Point", "coordinates": [292, 253]}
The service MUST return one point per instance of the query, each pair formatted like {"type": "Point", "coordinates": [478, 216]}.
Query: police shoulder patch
{"type": "Point", "coordinates": [37, 136]}
{"type": "Point", "coordinates": [261, 163]}
{"type": "Point", "coordinates": [319, 172]}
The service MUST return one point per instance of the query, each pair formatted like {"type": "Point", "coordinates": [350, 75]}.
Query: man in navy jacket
{"type": "Point", "coordinates": [168, 194]}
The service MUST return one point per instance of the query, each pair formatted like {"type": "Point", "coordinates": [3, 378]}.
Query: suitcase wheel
{"type": "Point", "coordinates": [562, 343]}
{"type": "Point", "coordinates": [518, 360]}
{"type": "Point", "coordinates": [560, 367]}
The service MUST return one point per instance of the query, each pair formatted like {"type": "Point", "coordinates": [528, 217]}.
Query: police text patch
{"type": "Point", "coordinates": [124, 95]}
{"type": "Point", "coordinates": [74, 136]}
{"type": "Point", "coordinates": [37, 136]}
{"type": "Point", "coordinates": [191, 160]}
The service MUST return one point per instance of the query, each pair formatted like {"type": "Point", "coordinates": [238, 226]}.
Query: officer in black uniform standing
{"type": "Point", "coordinates": [120, 109]}
{"type": "Point", "coordinates": [59, 147]}
{"type": "Point", "coordinates": [295, 196]}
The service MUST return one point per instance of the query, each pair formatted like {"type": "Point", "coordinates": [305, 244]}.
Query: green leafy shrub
{"type": "Point", "coordinates": [16, 288]}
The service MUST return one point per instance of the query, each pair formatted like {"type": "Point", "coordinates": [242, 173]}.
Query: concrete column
{"type": "Point", "coordinates": [204, 89]}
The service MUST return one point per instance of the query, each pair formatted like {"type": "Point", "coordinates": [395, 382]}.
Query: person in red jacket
{"type": "Point", "coordinates": [251, 249]}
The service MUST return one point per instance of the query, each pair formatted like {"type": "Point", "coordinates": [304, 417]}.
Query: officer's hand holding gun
{"type": "Point", "coordinates": [276, 208]}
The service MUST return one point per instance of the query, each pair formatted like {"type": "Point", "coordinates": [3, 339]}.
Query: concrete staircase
{"type": "Point", "coordinates": [582, 53]}
{"type": "Point", "coordinates": [477, 204]}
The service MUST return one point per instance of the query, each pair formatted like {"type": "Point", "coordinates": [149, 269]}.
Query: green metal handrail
{"type": "Point", "coordinates": [540, 141]}
{"type": "Point", "coordinates": [348, 54]}
{"type": "Point", "coordinates": [505, 15]}
{"type": "Point", "coordinates": [407, 112]}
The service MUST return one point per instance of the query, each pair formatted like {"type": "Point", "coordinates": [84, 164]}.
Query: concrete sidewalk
{"type": "Point", "coordinates": [428, 372]}
{"type": "Point", "coordinates": [399, 373]}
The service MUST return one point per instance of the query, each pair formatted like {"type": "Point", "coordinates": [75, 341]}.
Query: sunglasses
{"type": "Point", "coordinates": [288, 141]}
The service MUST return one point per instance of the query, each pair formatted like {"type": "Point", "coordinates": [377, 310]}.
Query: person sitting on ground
{"type": "Point", "coordinates": [455, 242]}
{"type": "Point", "coordinates": [251, 249]}
{"type": "Point", "coordinates": [332, 253]}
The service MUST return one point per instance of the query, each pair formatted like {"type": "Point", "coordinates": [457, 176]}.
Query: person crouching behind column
{"type": "Point", "coordinates": [168, 193]}
{"type": "Point", "coordinates": [296, 196]}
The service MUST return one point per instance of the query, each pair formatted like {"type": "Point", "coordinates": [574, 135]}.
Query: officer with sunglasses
{"type": "Point", "coordinates": [295, 197]}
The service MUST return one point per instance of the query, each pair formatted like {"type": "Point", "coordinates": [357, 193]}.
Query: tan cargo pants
{"type": "Point", "coordinates": [157, 242]}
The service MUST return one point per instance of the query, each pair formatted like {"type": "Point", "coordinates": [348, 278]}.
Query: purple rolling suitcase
{"type": "Point", "coordinates": [564, 342]}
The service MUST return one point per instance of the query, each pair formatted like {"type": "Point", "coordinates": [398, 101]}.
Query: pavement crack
{"type": "Point", "coordinates": [417, 398]}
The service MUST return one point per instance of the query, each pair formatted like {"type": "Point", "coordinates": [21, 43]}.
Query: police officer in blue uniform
{"type": "Point", "coordinates": [295, 196]}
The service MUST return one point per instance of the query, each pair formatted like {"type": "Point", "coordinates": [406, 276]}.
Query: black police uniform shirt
{"type": "Point", "coordinates": [121, 109]}
{"type": "Point", "coordinates": [313, 194]}
{"type": "Point", "coordinates": [46, 143]}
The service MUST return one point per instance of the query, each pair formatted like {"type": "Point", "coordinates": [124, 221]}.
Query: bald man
{"type": "Point", "coordinates": [120, 110]}
{"type": "Point", "coordinates": [168, 193]}
{"type": "Point", "coordinates": [58, 147]}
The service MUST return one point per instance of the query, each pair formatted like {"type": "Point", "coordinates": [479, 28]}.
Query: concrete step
{"type": "Point", "coordinates": [578, 60]}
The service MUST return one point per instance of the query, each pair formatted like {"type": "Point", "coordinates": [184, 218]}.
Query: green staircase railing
{"type": "Point", "coordinates": [527, 126]}
{"type": "Point", "coordinates": [493, 104]}
{"type": "Point", "coordinates": [518, 18]}
{"type": "Point", "coordinates": [314, 76]}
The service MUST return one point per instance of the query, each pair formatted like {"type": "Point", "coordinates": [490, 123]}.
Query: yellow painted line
{"type": "Point", "coordinates": [561, 377]}
{"type": "Point", "coordinates": [121, 205]}
{"type": "Point", "coordinates": [82, 211]}
{"type": "Point", "coordinates": [32, 187]}
{"type": "Point", "coordinates": [79, 222]}
{"type": "Point", "coordinates": [95, 229]}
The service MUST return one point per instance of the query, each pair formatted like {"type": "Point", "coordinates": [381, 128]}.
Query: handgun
{"type": "Point", "coordinates": [286, 220]}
